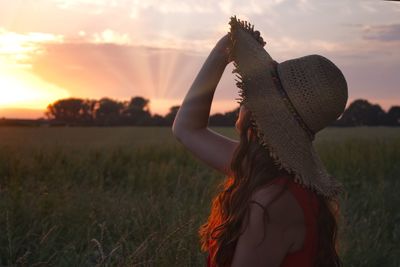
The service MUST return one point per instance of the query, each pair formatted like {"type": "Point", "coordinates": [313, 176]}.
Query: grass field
{"type": "Point", "coordinates": [136, 197]}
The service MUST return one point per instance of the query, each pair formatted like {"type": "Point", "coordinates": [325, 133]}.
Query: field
{"type": "Point", "coordinates": [136, 197]}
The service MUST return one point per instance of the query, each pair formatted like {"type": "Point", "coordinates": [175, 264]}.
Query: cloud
{"type": "Point", "coordinates": [347, 51]}
{"type": "Point", "coordinates": [13, 42]}
{"type": "Point", "coordinates": [16, 48]}
{"type": "Point", "coordinates": [385, 33]}
{"type": "Point", "coordinates": [305, 5]}
{"type": "Point", "coordinates": [110, 36]}
{"type": "Point", "coordinates": [166, 7]}
{"type": "Point", "coordinates": [92, 6]}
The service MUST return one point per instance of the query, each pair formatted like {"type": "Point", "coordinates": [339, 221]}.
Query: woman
{"type": "Point", "coordinates": [278, 204]}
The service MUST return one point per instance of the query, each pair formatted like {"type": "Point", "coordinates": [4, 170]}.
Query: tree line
{"type": "Point", "coordinates": [136, 111]}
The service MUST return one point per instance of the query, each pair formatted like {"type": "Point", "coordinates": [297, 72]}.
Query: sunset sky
{"type": "Point", "coordinates": [52, 49]}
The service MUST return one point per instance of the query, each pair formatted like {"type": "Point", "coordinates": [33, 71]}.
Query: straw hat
{"type": "Point", "coordinates": [290, 102]}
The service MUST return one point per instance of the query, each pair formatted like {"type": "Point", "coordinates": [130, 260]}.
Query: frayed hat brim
{"type": "Point", "coordinates": [277, 129]}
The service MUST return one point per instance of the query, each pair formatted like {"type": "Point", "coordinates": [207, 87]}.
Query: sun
{"type": "Point", "coordinates": [21, 89]}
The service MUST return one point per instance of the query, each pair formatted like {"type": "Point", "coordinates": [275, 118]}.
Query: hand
{"type": "Point", "coordinates": [225, 47]}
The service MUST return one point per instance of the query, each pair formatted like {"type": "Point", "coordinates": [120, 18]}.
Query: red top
{"type": "Point", "coordinates": [309, 203]}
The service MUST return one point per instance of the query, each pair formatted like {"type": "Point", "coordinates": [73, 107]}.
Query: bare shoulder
{"type": "Point", "coordinates": [280, 204]}
{"type": "Point", "coordinates": [283, 228]}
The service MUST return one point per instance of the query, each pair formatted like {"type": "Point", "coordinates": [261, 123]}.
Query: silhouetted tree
{"type": "Point", "coordinates": [71, 111]}
{"type": "Point", "coordinates": [158, 120]}
{"type": "Point", "coordinates": [393, 116]}
{"type": "Point", "coordinates": [137, 111]}
{"type": "Point", "coordinates": [217, 119]}
{"type": "Point", "coordinates": [108, 112]}
{"type": "Point", "coordinates": [226, 119]}
{"type": "Point", "coordinates": [170, 116]}
{"type": "Point", "coordinates": [88, 109]}
{"type": "Point", "coordinates": [361, 112]}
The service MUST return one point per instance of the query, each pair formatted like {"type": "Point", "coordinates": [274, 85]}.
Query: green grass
{"type": "Point", "coordinates": [136, 197]}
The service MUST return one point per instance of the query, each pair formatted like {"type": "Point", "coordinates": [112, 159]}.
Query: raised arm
{"type": "Point", "coordinates": [191, 121]}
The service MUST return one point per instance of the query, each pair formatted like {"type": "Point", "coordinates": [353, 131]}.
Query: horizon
{"type": "Point", "coordinates": [20, 113]}
{"type": "Point", "coordinates": [155, 49]}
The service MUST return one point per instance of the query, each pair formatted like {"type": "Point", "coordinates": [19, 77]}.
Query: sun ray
{"type": "Point", "coordinates": [168, 68]}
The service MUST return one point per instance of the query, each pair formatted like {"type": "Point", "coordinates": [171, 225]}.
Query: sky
{"type": "Point", "coordinates": [53, 49]}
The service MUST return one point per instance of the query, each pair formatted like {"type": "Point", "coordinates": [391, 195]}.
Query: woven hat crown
{"type": "Point", "coordinates": [316, 88]}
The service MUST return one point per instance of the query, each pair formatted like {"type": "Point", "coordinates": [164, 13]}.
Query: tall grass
{"type": "Point", "coordinates": [135, 197]}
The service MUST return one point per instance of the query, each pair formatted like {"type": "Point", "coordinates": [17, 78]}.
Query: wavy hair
{"type": "Point", "coordinates": [252, 166]}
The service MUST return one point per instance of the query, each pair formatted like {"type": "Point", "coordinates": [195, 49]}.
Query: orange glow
{"type": "Point", "coordinates": [21, 89]}
{"type": "Point", "coordinates": [161, 106]}
{"type": "Point", "coordinates": [18, 87]}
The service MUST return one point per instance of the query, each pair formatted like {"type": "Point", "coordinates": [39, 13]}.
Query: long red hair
{"type": "Point", "coordinates": [253, 167]}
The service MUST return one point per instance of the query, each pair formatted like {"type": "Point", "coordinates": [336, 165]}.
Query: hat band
{"type": "Point", "coordinates": [289, 104]}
